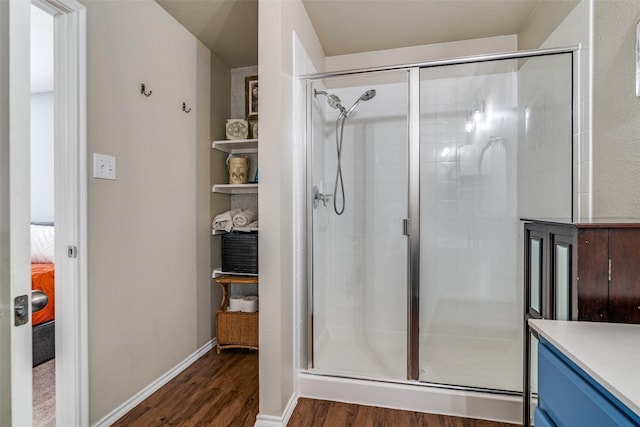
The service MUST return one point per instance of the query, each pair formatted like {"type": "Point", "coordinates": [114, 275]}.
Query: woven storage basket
{"type": "Point", "coordinates": [237, 328]}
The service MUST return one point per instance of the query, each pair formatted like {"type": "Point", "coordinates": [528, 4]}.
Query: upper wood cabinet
{"type": "Point", "coordinates": [589, 271]}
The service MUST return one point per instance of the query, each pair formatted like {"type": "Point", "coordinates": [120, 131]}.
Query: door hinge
{"type": "Point", "coordinates": [406, 227]}
{"type": "Point", "coordinates": [609, 269]}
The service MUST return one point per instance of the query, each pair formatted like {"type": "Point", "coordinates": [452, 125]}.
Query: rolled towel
{"type": "Point", "coordinates": [224, 221]}
{"type": "Point", "coordinates": [243, 218]}
{"type": "Point", "coordinates": [250, 304]}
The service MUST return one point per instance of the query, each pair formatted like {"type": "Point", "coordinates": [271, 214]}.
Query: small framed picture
{"type": "Point", "coordinates": [251, 97]}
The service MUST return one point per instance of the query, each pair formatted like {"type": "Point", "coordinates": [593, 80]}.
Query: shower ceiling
{"type": "Point", "coordinates": [230, 27]}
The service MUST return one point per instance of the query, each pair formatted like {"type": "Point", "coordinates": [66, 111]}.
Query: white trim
{"type": "Point", "coordinates": [70, 147]}
{"type": "Point", "coordinates": [15, 227]}
{"type": "Point", "coordinates": [274, 421]}
{"type": "Point", "coordinates": [135, 400]}
{"type": "Point", "coordinates": [419, 398]}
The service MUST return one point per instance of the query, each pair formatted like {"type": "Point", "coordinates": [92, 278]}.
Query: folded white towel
{"type": "Point", "coordinates": [243, 218]}
{"type": "Point", "coordinates": [224, 221]}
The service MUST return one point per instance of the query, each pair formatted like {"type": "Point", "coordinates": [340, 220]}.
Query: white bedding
{"type": "Point", "coordinates": [42, 244]}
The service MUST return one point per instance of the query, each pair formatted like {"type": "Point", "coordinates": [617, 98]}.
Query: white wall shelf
{"type": "Point", "coordinates": [235, 188]}
{"type": "Point", "coordinates": [218, 272]}
{"type": "Point", "coordinates": [241, 229]}
{"type": "Point", "coordinates": [236, 146]}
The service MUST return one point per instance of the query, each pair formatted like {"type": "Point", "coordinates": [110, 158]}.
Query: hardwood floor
{"type": "Point", "coordinates": [217, 390]}
{"type": "Point", "coordinates": [319, 413]}
{"type": "Point", "coordinates": [222, 390]}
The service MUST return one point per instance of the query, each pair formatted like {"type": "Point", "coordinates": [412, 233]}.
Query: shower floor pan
{"type": "Point", "coordinates": [484, 363]}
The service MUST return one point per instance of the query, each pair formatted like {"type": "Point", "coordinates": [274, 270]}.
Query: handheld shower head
{"type": "Point", "coordinates": [364, 97]}
{"type": "Point", "coordinates": [368, 95]}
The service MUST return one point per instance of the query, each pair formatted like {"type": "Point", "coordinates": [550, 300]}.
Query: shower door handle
{"type": "Point", "coordinates": [320, 197]}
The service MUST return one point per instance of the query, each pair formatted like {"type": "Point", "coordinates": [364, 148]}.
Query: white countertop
{"type": "Point", "coordinates": [608, 352]}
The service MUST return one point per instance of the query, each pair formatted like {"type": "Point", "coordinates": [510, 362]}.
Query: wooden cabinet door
{"type": "Point", "coordinates": [624, 287]}
{"type": "Point", "coordinates": [593, 274]}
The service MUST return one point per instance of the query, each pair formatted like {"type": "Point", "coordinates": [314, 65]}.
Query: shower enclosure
{"type": "Point", "coordinates": [415, 273]}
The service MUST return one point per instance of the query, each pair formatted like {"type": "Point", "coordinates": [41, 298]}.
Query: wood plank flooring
{"type": "Point", "coordinates": [217, 390]}
{"type": "Point", "coordinates": [222, 390]}
{"type": "Point", "coordinates": [323, 413]}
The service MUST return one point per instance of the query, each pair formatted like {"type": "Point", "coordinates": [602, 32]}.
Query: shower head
{"type": "Point", "coordinates": [333, 100]}
{"type": "Point", "coordinates": [364, 97]}
{"type": "Point", "coordinates": [368, 95]}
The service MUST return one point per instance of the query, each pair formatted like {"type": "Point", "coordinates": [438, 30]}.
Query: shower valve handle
{"type": "Point", "coordinates": [320, 197]}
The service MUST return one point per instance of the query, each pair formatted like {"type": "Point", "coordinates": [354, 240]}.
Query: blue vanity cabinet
{"type": "Point", "coordinates": [568, 396]}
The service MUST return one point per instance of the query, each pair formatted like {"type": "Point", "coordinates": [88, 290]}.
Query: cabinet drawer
{"type": "Point", "coordinates": [571, 398]}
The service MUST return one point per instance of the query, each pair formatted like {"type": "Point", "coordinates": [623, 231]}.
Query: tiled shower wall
{"type": "Point", "coordinates": [469, 244]}
{"type": "Point", "coordinates": [545, 137]}
{"type": "Point", "coordinates": [360, 256]}
{"type": "Point", "coordinates": [470, 247]}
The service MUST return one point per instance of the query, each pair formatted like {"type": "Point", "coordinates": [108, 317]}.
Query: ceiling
{"type": "Point", "coordinates": [230, 27]}
{"type": "Point", "coordinates": [227, 27]}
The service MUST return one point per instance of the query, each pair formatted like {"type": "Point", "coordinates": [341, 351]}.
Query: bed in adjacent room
{"type": "Point", "coordinates": [43, 279]}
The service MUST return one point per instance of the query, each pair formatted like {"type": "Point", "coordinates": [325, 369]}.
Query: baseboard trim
{"type": "Point", "coordinates": [134, 401]}
{"type": "Point", "coordinates": [273, 421]}
{"type": "Point", "coordinates": [419, 398]}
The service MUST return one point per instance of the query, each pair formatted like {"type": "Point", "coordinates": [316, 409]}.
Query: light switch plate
{"type": "Point", "coordinates": [104, 167]}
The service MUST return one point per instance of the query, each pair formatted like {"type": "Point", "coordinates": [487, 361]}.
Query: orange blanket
{"type": "Point", "coordinates": [42, 278]}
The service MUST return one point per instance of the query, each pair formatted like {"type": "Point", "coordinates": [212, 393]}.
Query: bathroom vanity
{"type": "Point", "coordinates": [583, 270]}
{"type": "Point", "coordinates": [587, 374]}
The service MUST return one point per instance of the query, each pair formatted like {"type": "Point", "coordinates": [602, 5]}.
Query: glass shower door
{"type": "Point", "coordinates": [495, 146]}
{"type": "Point", "coordinates": [359, 187]}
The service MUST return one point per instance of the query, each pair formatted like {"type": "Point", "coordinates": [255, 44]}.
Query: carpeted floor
{"type": "Point", "coordinates": [44, 394]}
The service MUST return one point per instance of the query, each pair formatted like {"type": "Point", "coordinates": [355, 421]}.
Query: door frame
{"type": "Point", "coordinates": [70, 211]}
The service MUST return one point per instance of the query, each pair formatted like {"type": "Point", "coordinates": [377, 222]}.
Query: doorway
{"type": "Point", "coordinates": [42, 217]}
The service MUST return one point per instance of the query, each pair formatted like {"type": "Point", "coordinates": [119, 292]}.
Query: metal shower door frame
{"type": "Point", "coordinates": [413, 228]}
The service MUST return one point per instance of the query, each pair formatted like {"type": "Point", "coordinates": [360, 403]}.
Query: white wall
{"type": "Point", "coordinates": [277, 22]}
{"type": "Point", "coordinates": [424, 53]}
{"type": "Point", "coordinates": [616, 110]}
{"type": "Point", "coordinates": [42, 157]}
{"type": "Point", "coordinates": [148, 231]}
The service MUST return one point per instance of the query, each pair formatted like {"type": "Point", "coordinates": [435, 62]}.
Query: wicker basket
{"type": "Point", "coordinates": [237, 329]}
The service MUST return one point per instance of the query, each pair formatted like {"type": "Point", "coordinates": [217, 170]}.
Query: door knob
{"type": "Point", "coordinates": [39, 300]}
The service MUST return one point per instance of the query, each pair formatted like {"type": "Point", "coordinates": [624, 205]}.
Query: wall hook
{"type": "Point", "coordinates": [184, 108]}
{"type": "Point", "coordinates": [143, 91]}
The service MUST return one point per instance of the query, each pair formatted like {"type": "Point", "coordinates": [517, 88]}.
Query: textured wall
{"type": "Point", "coordinates": [616, 110]}
{"type": "Point", "coordinates": [148, 231]}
